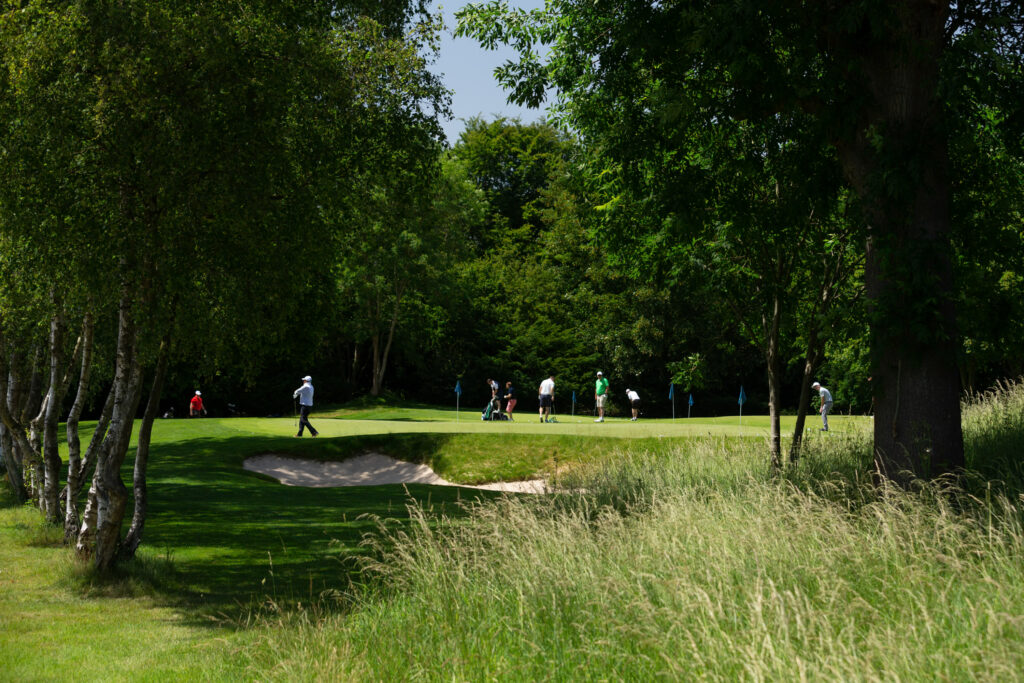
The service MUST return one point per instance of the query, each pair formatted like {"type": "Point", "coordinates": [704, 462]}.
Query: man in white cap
{"type": "Point", "coordinates": [195, 406]}
{"type": "Point", "coordinates": [826, 404]}
{"type": "Point", "coordinates": [305, 396]}
{"type": "Point", "coordinates": [600, 395]}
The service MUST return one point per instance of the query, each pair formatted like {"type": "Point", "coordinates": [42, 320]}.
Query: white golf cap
{"type": "Point", "coordinates": [307, 378]}
{"type": "Point", "coordinates": [199, 393]}
{"type": "Point", "coordinates": [599, 372]}
{"type": "Point", "coordinates": [816, 384]}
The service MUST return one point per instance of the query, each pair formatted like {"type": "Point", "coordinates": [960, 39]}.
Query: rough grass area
{"type": "Point", "coordinates": [762, 583]}
{"type": "Point", "coordinates": [691, 565]}
{"type": "Point", "coordinates": [674, 557]}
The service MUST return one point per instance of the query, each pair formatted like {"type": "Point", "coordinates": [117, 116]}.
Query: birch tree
{"type": "Point", "coordinates": [199, 145]}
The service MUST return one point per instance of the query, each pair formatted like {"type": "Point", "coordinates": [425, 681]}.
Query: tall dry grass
{"type": "Point", "coordinates": [994, 434]}
{"type": "Point", "coordinates": [697, 563]}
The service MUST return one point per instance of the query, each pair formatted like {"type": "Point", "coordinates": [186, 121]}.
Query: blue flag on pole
{"type": "Point", "coordinates": [458, 388]}
{"type": "Point", "coordinates": [691, 399]}
{"type": "Point", "coordinates": [743, 396]}
{"type": "Point", "coordinates": [671, 390]}
{"type": "Point", "coordinates": [574, 397]}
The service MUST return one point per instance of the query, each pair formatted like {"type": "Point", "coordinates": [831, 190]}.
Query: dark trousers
{"type": "Point", "coordinates": [304, 420]}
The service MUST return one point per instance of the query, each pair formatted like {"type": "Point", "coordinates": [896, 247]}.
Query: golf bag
{"type": "Point", "coordinates": [493, 410]}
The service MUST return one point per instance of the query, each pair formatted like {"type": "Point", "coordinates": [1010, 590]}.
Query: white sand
{"type": "Point", "coordinates": [365, 470]}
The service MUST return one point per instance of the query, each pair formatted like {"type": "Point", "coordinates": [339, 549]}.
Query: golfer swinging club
{"type": "Point", "coordinates": [305, 396]}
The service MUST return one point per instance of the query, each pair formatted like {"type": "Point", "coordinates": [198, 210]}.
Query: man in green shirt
{"type": "Point", "coordinates": [600, 394]}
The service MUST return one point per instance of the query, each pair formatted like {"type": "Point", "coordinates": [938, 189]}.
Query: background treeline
{"type": "Point", "coordinates": [527, 286]}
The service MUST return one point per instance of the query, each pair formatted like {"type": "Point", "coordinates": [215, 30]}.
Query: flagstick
{"type": "Point", "coordinates": [673, 406]}
{"type": "Point", "coordinates": [456, 407]}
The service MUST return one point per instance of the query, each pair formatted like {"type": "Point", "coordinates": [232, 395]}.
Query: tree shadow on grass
{"type": "Point", "coordinates": [238, 539]}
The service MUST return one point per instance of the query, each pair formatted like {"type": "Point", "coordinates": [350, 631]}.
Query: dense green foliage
{"type": "Point", "coordinates": [878, 94]}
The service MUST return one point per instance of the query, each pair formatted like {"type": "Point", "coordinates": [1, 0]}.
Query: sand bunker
{"type": "Point", "coordinates": [365, 470]}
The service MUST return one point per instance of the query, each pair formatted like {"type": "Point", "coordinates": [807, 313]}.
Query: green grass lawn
{"type": "Point", "coordinates": [678, 556]}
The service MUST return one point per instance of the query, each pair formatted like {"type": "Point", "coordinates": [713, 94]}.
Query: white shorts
{"type": "Point", "coordinates": [599, 401]}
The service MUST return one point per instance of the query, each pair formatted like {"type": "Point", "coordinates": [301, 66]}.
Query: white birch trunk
{"type": "Point", "coordinates": [108, 498]}
{"type": "Point", "coordinates": [74, 443]}
{"type": "Point", "coordinates": [51, 418]}
{"type": "Point", "coordinates": [139, 486]}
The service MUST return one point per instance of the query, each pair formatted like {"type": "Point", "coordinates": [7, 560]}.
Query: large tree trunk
{"type": "Point", "coordinates": [74, 443]}
{"type": "Point", "coordinates": [100, 534]}
{"type": "Point", "coordinates": [898, 164]}
{"type": "Point", "coordinates": [134, 536]}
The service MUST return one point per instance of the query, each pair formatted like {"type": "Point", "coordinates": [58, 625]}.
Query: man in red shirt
{"type": "Point", "coordinates": [196, 406]}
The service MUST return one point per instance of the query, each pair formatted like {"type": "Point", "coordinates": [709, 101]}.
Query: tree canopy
{"type": "Point", "coordinates": [872, 78]}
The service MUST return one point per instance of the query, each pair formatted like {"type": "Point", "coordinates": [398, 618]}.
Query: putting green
{"type": "Point", "coordinates": [397, 421]}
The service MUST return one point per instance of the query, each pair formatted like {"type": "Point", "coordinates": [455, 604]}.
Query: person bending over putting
{"type": "Point", "coordinates": [546, 398]}
{"type": "Point", "coordinates": [826, 404]}
{"type": "Point", "coordinates": [305, 396]}
{"type": "Point", "coordinates": [634, 403]}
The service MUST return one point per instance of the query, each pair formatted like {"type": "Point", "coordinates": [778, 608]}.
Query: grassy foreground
{"type": "Point", "coordinates": [683, 558]}
{"type": "Point", "coordinates": [684, 564]}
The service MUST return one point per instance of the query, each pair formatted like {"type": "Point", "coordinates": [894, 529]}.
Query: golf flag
{"type": "Point", "coordinates": [458, 395]}
{"type": "Point", "coordinates": [671, 390]}
{"type": "Point", "coordinates": [574, 397]}
{"type": "Point", "coordinates": [743, 396]}
{"type": "Point", "coordinates": [691, 399]}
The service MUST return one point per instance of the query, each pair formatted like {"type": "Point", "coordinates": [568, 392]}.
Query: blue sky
{"type": "Point", "coordinates": [468, 71]}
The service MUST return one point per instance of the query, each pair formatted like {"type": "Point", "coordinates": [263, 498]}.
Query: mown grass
{"type": "Point", "coordinates": [672, 557]}
{"type": "Point", "coordinates": [52, 629]}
